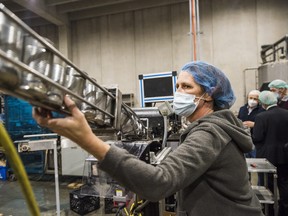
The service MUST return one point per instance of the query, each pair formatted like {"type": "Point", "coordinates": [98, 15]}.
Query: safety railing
{"type": "Point", "coordinates": [269, 53]}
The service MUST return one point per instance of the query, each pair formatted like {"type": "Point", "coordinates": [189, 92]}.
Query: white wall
{"type": "Point", "coordinates": [231, 40]}
{"type": "Point", "coordinates": [115, 49]}
{"type": "Point", "coordinates": [233, 32]}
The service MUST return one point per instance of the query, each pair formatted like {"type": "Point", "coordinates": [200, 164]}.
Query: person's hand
{"type": "Point", "coordinates": [249, 124]}
{"type": "Point", "coordinates": [74, 127]}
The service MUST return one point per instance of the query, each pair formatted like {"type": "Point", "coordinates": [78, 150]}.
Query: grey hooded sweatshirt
{"type": "Point", "coordinates": [208, 170]}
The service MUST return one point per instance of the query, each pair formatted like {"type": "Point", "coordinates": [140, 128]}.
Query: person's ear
{"type": "Point", "coordinates": [207, 97]}
{"type": "Point", "coordinates": [282, 90]}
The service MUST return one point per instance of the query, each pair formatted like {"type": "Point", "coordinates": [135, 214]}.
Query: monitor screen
{"type": "Point", "coordinates": [158, 87]}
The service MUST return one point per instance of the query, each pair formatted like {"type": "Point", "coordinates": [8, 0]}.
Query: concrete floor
{"type": "Point", "coordinates": [12, 202]}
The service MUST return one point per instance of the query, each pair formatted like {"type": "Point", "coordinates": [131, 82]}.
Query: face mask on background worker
{"type": "Point", "coordinates": [252, 103]}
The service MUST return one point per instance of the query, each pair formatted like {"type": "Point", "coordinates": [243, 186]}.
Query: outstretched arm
{"type": "Point", "coordinates": [74, 127]}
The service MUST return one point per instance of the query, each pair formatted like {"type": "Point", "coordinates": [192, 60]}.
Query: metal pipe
{"type": "Point", "coordinates": [56, 176]}
{"type": "Point", "coordinates": [190, 31]}
{"type": "Point", "coordinates": [194, 30]}
{"type": "Point", "coordinates": [198, 30]}
{"type": "Point", "coordinates": [244, 72]}
{"type": "Point", "coordinates": [272, 47]}
{"type": "Point", "coordinates": [193, 43]}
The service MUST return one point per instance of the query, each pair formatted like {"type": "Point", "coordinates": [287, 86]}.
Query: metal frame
{"type": "Point", "coordinates": [262, 165]}
{"type": "Point", "coordinates": [18, 66]}
{"type": "Point", "coordinates": [143, 99]}
{"type": "Point", "coordinates": [44, 144]}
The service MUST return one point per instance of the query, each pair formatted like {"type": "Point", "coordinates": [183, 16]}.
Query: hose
{"type": "Point", "coordinates": [19, 170]}
{"type": "Point", "coordinates": [139, 208]}
{"type": "Point", "coordinates": [164, 144]}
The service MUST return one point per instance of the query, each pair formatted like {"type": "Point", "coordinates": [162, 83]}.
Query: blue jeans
{"type": "Point", "coordinates": [251, 154]}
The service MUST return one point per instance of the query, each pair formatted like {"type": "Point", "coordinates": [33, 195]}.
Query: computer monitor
{"type": "Point", "coordinates": [157, 87]}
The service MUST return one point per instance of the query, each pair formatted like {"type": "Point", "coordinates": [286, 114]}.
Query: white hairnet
{"type": "Point", "coordinates": [267, 98]}
{"type": "Point", "coordinates": [278, 84]}
{"type": "Point", "coordinates": [254, 92]}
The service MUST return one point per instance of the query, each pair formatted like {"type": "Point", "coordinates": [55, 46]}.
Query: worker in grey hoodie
{"type": "Point", "coordinates": [208, 169]}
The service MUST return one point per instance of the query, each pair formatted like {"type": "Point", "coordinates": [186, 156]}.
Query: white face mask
{"type": "Point", "coordinates": [252, 103]}
{"type": "Point", "coordinates": [184, 104]}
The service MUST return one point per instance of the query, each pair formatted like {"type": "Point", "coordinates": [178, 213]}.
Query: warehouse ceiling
{"type": "Point", "coordinates": [61, 12]}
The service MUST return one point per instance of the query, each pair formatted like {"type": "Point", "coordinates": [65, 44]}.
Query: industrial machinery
{"type": "Point", "coordinates": [32, 69]}
{"type": "Point", "coordinates": [274, 62]}
{"type": "Point", "coordinates": [274, 65]}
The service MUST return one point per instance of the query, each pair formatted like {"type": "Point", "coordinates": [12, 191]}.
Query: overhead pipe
{"type": "Point", "coordinates": [198, 30]}
{"type": "Point", "coordinates": [194, 28]}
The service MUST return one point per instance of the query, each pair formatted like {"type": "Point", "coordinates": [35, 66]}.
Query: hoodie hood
{"type": "Point", "coordinates": [230, 127]}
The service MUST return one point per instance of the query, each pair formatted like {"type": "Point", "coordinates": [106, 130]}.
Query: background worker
{"type": "Point", "coordinates": [271, 141]}
{"type": "Point", "coordinates": [279, 87]}
{"type": "Point", "coordinates": [247, 114]}
{"type": "Point", "coordinates": [207, 169]}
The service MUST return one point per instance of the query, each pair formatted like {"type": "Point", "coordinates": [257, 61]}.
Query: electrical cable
{"type": "Point", "coordinates": [19, 170]}
{"type": "Point", "coordinates": [118, 213]}
{"type": "Point", "coordinates": [139, 208]}
{"type": "Point", "coordinates": [126, 212]}
{"type": "Point", "coordinates": [135, 206]}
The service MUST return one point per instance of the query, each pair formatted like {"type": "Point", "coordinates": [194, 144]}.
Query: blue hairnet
{"type": "Point", "coordinates": [268, 98]}
{"type": "Point", "coordinates": [214, 82]}
{"type": "Point", "coordinates": [278, 84]}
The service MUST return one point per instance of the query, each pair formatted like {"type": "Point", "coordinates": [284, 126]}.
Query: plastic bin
{"type": "Point", "coordinates": [18, 118]}
{"type": "Point", "coordinates": [83, 204]}
{"type": "Point", "coordinates": [3, 173]}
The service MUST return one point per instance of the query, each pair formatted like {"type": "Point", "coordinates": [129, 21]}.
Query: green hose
{"type": "Point", "coordinates": [19, 170]}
